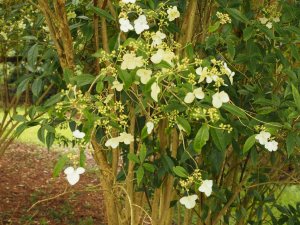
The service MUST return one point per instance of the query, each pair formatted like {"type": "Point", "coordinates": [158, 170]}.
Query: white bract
{"type": "Point", "coordinates": [206, 187]}
{"type": "Point", "coordinates": [155, 90]}
{"type": "Point", "coordinates": [140, 24]}
{"type": "Point", "coordinates": [158, 38]}
{"type": "Point", "coordinates": [229, 73]}
{"type": "Point", "coordinates": [263, 137]}
{"type": "Point", "coordinates": [269, 25]}
{"type": "Point", "coordinates": [173, 13]}
{"type": "Point", "coordinates": [128, 1]}
{"type": "Point", "coordinates": [150, 127]}
{"type": "Point", "coordinates": [263, 20]}
{"type": "Point", "coordinates": [117, 85]}
{"type": "Point", "coordinates": [189, 201]}
{"type": "Point", "coordinates": [219, 98]}
{"type": "Point", "coordinates": [125, 25]}
{"type": "Point", "coordinates": [272, 146]}
{"type": "Point", "coordinates": [197, 93]}
{"type": "Point", "coordinates": [115, 141]}
{"type": "Point", "coordinates": [78, 134]}
{"type": "Point", "coordinates": [73, 175]}
{"type": "Point", "coordinates": [126, 138]}
{"type": "Point", "coordinates": [160, 55]}
{"type": "Point", "coordinates": [130, 61]}
{"type": "Point", "coordinates": [145, 75]}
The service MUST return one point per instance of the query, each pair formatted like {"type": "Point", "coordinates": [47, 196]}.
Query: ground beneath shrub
{"type": "Point", "coordinates": [26, 179]}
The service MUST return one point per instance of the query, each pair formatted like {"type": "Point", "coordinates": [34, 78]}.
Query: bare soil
{"type": "Point", "coordinates": [26, 178]}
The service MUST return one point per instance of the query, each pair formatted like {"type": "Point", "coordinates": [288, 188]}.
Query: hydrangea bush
{"type": "Point", "coordinates": [203, 125]}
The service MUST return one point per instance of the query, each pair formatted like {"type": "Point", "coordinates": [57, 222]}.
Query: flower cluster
{"type": "Point", "coordinates": [264, 138]}
{"type": "Point", "coordinates": [223, 17]}
{"type": "Point", "coordinates": [271, 16]}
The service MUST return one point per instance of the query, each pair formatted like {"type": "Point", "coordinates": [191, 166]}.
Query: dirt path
{"type": "Point", "coordinates": [26, 177]}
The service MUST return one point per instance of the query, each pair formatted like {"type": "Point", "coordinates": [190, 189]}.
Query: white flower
{"type": "Point", "coordinates": [113, 142]}
{"type": "Point", "coordinates": [157, 38]}
{"type": "Point", "coordinates": [263, 137]}
{"type": "Point", "coordinates": [78, 134]}
{"type": "Point", "coordinates": [269, 25]}
{"type": "Point", "coordinates": [263, 20]}
{"type": "Point", "coordinates": [73, 175]}
{"type": "Point", "coordinates": [197, 93]}
{"type": "Point", "coordinates": [140, 24]}
{"type": "Point", "coordinates": [276, 19]}
{"type": "Point", "coordinates": [125, 25]}
{"type": "Point", "coordinates": [128, 1]}
{"type": "Point", "coordinates": [272, 146]}
{"type": "Point", "coordinates": [117, 85]}
{"type": "Point", "coordinates": [155, 91]}
{"type": "Point", "coordinates": [126, 138]}
{"type": "Point", "coordinates": [144, 74]}
{"type": "Point", "coordinates": [173, 13]}
{"type": "Point", "coordinates": [168, 57]}
{"type": "Point", "coordinates": [189, 201]}
{"type": "Point", "coordinates": [206, 187]}
{"type": "Point", "coordinates": [158, 56]}
{"type": "Point", "coordinates": [229, 73]}
{"type": "Point", "coordinates": [130, 61]}
{"type": "Point", "coordinates": [150, 126]}
{"type": "Point", "coordinates": [219, 98]}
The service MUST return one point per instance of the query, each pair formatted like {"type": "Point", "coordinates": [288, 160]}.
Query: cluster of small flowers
{"type": "Point", "coordinates": [271, 16]}
{"type": "Point", "coordinates": [189, 201]}
{"type": "Point", "coordinates": [223, 17]}
{"type": "Point", "coordinates": [264, 138]}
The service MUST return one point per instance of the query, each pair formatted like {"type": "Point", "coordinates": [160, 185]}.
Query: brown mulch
{"type": "Point", "coordinates": [26, 178]}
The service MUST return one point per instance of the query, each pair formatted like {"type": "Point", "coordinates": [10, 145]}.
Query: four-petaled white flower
{"type": "Point", "coordinates": [272, 146]}
{"type": "Point", "coordinates": [73, 175]}
{"type": "Point", "coordinates": [125, 25]}
{"type": "Point", "coordinates": [144, 74]}
{"type": "Point", "coordinates": [140, 24]}
{"type": "Point", "coordinates": [155, 90]}
{"type": "Point", "coordinates": [113, 142]}
{"type": "Point", "coordinates": [117, 85]}
{"type": "Point", "coordinates": [173, 13]}
{"type": "Point", "coordinates": [157, 38]}
{"type": "Point", "coordinates": [128, 1]}
{"type": "Point", "coordinates": [126, 138]}
{"type": "Point", "coordinates": [130, 61]}
{"type": "Point", "coordinates": [197, 93]}
{"type": "Point", "coordinates": [263, 137]}
{"type": "Point", "coordinates": [219, 98]}
{"type": "Point", "coordinates": [78, 134]}
{"type": "Point", "coordinates": [206, 187]}
{"type": "Point", "coordinates": [150, 127]}
{"type": "Point", "coordinates": [189, 201]}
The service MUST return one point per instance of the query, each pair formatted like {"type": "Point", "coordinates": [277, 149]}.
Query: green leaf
{"type": "Point", "coordinates": [237, 15]}
{"type": "Point", "coordinates": [231, 49]}
{"type": "Point", "coordinates": [184, 124]}
{"type": "Point", "coordinates": [201, 137]}
{"type": "Point", "coordinates": [82, 158]}
{"type": "Point", "coordinates": [218, 138]}
{"type": "Point", "coordinates": [140, 174]}
{"type": "Point", "coordinates": [291, 143]}
{"type": "Point", "coordinates": [214, 27]}
{"type": "Point", "coordinates": [84, 79]}
{"type": "Point", "coordinates": [50, 139]}
{"type": "Point", "coordinates": [19, 118]}
{"type": "Point", "coordinates": [126, 78]}
{"type": "Point", "coordinates": [133, 157]}
{"type": "Point", "coordinates": [143, 153]}
{"type": "Point", "coordinates": [37, 86]}
{"type": "Point", "coordinates": [149, 167]}
{"type": "Point", "coordinates": [102, 13]}
{"type": "Point", "coordinates": [180, 171]}
{"type": "Point", "coordinates": [32, 55]}
{"type": "Point", "coordinates": [41, 134]}
{"type": "Point", "coordinates": [249, 143]}
{"type": "Point", "coordinates": [234, 110]}
{"type": "Point", "coordinates": [248, 32]}
{"type": "Point", "coordinates": [144, 133]}
{"type": "Point", "coordinates": [60, 164]}
{"type": "Point", "coordinates": [23, 85]}
{"type": "Point", "coordinates": [53, 100]}
{"type": "Point", "coordinates": [296, 96]}
{"type": "Point", "coordinates": [190, 51]}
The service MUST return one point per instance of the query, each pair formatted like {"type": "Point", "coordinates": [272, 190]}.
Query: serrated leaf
{"type": "Point", "coordinates": [140, 174]}
{"type": "Point", "coordinates": [249, 143]}
{"type": "Point", "coordinates": [60, 164]}
{"type": "Point", "coordinates": [180, 171]}
{"type": "Point", "coordinates": [184, 124]}
{"type": "Point", "coordinates": [296, 96]}
{"type": "Point", "coordinates": [201, 138]}
{"type": "Point", "coordinates": [234, 110]}
{"type": "Point", "coordinates": [19, 118]}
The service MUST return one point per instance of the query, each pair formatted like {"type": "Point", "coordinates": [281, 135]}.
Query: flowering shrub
{"type": "Point", "coordinates": [195, 123]}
